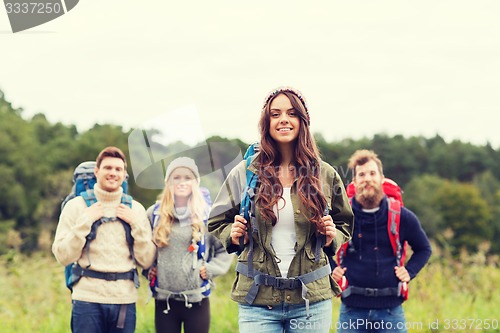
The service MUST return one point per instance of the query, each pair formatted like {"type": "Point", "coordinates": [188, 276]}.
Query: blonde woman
{"type": "Point", "coordinates": [188, 257]}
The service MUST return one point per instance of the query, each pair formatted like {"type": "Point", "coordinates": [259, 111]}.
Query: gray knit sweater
{"type": "Point", "coordinates": [175, 271]}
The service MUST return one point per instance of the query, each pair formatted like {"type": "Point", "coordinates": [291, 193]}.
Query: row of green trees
{"type": "Point", "coordinates": [453, 187]}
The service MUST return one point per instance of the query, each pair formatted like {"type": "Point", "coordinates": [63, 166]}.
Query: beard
{"type": "Point", "coordinates": [369, 198]}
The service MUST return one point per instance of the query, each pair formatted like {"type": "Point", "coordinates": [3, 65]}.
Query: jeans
{"type": "Point", "coordinates": [101, 318]}
{"type": "Point", "coordinates": [360, 320]}
{"type": "Point", "coordinates": [289, 318]}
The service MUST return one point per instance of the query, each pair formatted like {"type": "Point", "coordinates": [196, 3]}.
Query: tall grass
{"type": "Point", "coordinates": [446, 293]}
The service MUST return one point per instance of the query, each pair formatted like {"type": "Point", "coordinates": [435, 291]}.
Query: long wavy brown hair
{"type": "Point", "coordinates": [306, 163]}
{"type": "Point", "coordinates": [196, 205]}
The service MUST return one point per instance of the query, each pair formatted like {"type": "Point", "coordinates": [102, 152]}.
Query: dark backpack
{"type": "Point", "coordinates": [83, 185]}
{"type": "Point", "coordinates": [395, 202]}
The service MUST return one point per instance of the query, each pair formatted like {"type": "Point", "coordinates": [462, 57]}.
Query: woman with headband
{"type": "Point", "coordinates": [299, 216]}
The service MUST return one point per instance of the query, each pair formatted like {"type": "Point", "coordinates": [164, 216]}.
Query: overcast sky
{"type": "Point", "coordinates": [365, 67]}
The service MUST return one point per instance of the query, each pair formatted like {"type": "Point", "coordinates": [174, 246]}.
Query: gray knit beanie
{"type": "Point", "coordinates": [183, 162]}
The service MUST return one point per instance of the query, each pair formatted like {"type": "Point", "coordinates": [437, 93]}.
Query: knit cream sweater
{"type": "Point", "coordinates": [109, 252]}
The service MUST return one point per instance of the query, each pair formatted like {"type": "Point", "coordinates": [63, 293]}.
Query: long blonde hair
{"type": "Point", "coordinates": [196, 205]}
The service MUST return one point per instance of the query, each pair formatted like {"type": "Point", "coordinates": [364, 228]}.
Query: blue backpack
{"type": "Point", "coordinates": [83, 185]}
{"type": "Point", "coordinates": [251, 184]}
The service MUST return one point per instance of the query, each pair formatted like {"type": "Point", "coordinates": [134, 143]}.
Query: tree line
{"type": "Point", "coordinates": [454, 187]}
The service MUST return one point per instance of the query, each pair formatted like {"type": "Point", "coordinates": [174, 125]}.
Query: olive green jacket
{"type": "Point", "coordinates": [227, 205]}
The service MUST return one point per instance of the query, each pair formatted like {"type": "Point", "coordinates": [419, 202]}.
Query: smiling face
{"type": "Point", "coordinates": [110, 174]}
{"type": "Point", "coordinates": [368, 182]}
{"type": "Point", "coordinates": [182, 179]}
{"type": "Point", "coordinates": [284, 121]}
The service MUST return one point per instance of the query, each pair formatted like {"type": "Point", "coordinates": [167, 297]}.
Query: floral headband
{"type": "Point", "coordinates": [294, 91]}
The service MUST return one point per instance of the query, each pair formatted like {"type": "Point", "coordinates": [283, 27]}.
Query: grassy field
{"type": "Point", "coordinates": [447, 296]}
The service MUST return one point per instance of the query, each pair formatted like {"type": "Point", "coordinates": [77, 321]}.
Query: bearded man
{"type": "Point", "coordinates": [372, 301]}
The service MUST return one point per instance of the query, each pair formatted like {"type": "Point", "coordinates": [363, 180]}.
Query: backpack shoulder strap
{"type": "Point", "coordinates": [89, 197]}
{"type": "Point", "coordinates": [343, 248]}
{"type": "Point", "coordinates": [155, 215]}
{"type": "Point", "coordinates": [341, 253]}
{"type": "Point", "coordinates": [251, 179]}
{"type": "Point", "coordinates": [203, 251]}
{"type": "Point", "coordinates": [127, 200]}
{"type": "Point", "coordinates": [247, 209]}
{"type": "Point", "coordinates": [249, 191]}
{"type": "Point", "coordinates": [326, 180]}
{"type": "Point", "coordinates": [326, 190]}
{"type": "Point", "coordinates": [393, 224]}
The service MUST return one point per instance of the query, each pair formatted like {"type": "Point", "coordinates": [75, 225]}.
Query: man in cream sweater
{"type": "Point", "coordinates": [105, 302]}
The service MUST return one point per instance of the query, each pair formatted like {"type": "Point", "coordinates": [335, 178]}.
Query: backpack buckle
{"type": "Point", "coordinates": [285, 283]}
{"type": "Point", "coordinates": [110, 277]}
{"type": "Point", "coordinates": [371, 292]}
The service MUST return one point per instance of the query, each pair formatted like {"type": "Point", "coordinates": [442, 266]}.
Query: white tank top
{"type": "Point", "coordinates": [284, 237]}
